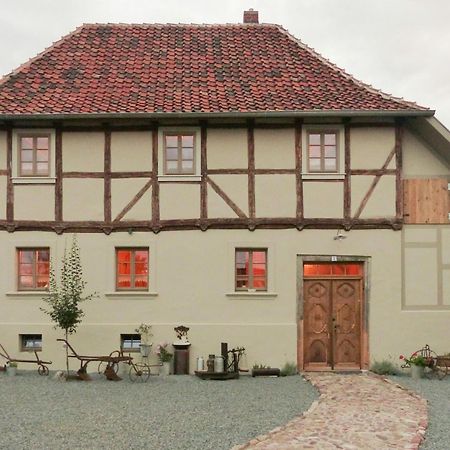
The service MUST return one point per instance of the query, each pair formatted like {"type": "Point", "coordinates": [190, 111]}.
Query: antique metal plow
{"type": "Point", "coordinates": [108, 365]}
{"type": "Point", "coordinates": [42, 365]}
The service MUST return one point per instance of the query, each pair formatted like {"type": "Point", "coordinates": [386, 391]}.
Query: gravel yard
{"type": "Point", "coordinates": [175, 412]}
{"type": "Point", "coordinates": [438, 395]}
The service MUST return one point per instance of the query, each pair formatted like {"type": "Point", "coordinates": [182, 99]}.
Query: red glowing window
{"type": "Point", "coordinates": [337, 269]}
{"type": "Point", "coordinates": [132, 269]}
{"type": "Point", "coordinates": [251, 269]}
{"type": "Point", "coordinates": [33, 268]}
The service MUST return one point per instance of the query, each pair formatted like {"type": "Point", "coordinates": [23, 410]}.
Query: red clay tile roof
{"type": "Point", "coordinates": [119, 68]}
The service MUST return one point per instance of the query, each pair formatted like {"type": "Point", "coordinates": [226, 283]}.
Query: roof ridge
{"type": "Point", "coordinates": [46, 50]}
{"type": "Point", "coordinates": [347, 75]}
{"type": "Point", "coordinates": [179, 24]}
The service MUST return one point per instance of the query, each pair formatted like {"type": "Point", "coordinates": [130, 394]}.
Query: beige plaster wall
{"type": "Point", "coordinates": [275, 195]}
{"type": "Point", "coordinates": [2, 150]}
{"type": "Point", "coordinates": [426, 253]}
{"type": "Point", "coordinates": [131, 151]}
{"type": "Point", "coordinates": [83, 199]}
{"type": "Point", "coordinates": [227, 148]}
{"type": "Point", "coordinates": [381, 202]}
{"type": "Point", "coordinates": [323, 199]}
{"type": "Point", "coordinates": [3, 196]}
{"type": "Point", "coordinates": [370, 147]}
{"type": "Point", "coordinates": [275, 149]}
{"type": "Point", "coordinates": [420, 160]}
{"type": "Point", "coordinates": [34, 202]}
{"type": "Point", "coordinates": [179, 201]}
{"type": "Point", "coordinates": [122, 193]}
{"type": "Point", "coordinates": [83, 151]}
{"type": "Point", "coordinates": [193, 273]}
{"type": "Point", "coordinates": [236, 188]}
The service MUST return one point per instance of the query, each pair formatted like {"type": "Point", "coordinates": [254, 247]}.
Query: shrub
{"type": "Point", "coordinates": [289, 369]}
{"type": "Point", "coordinates": [384, 367]}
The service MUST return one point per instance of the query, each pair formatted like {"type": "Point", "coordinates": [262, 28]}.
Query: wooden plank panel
{"type": "Point", "coordinates": [426, 200]}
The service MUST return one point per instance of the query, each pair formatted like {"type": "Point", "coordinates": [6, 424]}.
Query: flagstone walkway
{"type": "Point", "coordinates": [353, 412]}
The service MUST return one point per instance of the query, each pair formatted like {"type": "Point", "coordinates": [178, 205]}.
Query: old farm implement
{"type": "Point", "coordinates": [42, 365]}
{"type": "Point", "coordinates": [436, 366]}
{"type": "Point", "coordinates": [109, 364]}
{"type": "Point", "coordinates": [231, 359]}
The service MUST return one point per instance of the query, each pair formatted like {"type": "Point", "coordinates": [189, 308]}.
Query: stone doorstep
{"type": "Point", "coordinates": [414, 444]}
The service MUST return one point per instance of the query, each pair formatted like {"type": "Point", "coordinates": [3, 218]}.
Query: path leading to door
{"type": "Point", "coordinates": [353, 412]}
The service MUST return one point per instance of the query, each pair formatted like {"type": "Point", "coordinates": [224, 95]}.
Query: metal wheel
{"type": "Point", "coordinates": [104, 364]}
{"type": "Point", "coordinates": [43, 370]}
{"type": "Point", "coordinates": [442, 370]}
{"type": "Point", "coordinates": [139, 372]}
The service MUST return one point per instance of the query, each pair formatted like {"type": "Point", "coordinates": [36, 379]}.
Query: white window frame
{"type": "Point", "coordinates": [340, 131]}
{"type": "Point", "coordinates": [196, 176]}
{"type": "Point", "coordinates": [48, 179]}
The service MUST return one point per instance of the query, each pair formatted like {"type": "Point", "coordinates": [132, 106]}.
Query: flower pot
{"type": "Point", "coordinates": [164, 370]}
{"type": "Point", "coordinates": [417, 371]}
{"type": "Point", "coordinates": [145, 350]}
{"type": "Point", "coordinates": [11, 371]}
{"type": "Point", "coordinates": [266, 372]}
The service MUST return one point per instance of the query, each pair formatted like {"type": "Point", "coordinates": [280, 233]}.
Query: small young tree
{"type": "Point", "coordinates": [65, 296]}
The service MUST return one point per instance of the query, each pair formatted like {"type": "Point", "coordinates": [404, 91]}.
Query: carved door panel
{"type": "Point", "coordinates": [317, 324]}
{"type": "Point", "coordinates": [346, 301]}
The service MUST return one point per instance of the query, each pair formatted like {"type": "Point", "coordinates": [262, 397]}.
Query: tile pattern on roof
{"type": "Point", "coordinates": [118, 68]}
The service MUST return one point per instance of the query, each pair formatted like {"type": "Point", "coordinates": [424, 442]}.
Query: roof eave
{"type": "Point", "coordinates": [222, 115]}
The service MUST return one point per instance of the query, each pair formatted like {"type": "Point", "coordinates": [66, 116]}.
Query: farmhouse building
{"type": "Point", "coordinates": [227, 178]}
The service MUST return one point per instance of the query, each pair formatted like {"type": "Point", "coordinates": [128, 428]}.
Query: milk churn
{"type": "Point", "coordinates": [210, 363]}
{"type": "Point", "coordinates": [200, 364]}
{"type": "Point", "coordinates": [219, 364]}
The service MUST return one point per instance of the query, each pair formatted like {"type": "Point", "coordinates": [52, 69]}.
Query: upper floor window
{"type": "Point", "coordinates": [179, 154]}
{"type": "Point", "coordinates": [132, 269]}
{"type": "Point", "coordinates": [34, 155]}
{"type": "Point", "coordinates": [322, 151]}
{"type": "Point", "coordinates": [251, 269]}
{"type": "Point", "coordinates": [33, 268]}
{"type": "Point", "coordinates": [31, 342]}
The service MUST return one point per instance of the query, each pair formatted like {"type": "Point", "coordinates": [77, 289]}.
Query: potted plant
{"type": "Point", "coordinates": [165, 357]}
{"type": "Point", "coordinates": [145, 330]}
{"type": "Point", "coordinates": [11, 369]}
{"type": "Point", "coordinates": [417, 363]}
{"type": "Point", "coordinates": [260, 370]}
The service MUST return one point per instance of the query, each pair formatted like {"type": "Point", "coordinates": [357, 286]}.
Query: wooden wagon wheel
{"type": "Point", "coordinates": [139, 372]}
{"type": "Point", "coordinates": [104, 364]}
{"type": "Point", "coordinates": [43, 370]}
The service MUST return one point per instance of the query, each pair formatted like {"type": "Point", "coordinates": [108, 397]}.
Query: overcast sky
{"type": "Point", "coordinates": [399, 46]}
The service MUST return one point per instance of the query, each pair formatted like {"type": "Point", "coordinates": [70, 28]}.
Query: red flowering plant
{"type": "Point", "coordinates": [415, 359]}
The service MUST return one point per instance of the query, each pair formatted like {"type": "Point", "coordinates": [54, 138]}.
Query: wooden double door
{"type": "Point", "coordinates": [332, 323]}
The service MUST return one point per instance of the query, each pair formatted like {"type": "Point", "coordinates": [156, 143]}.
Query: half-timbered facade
{"type": "Point", "coordinates": [230, 179]}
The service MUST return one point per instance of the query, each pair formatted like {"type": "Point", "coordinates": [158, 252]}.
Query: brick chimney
{"type": "Point", "coordinates": [251, 16]}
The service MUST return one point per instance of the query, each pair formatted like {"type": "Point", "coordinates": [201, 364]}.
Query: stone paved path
{"type": "Point", "coordinates": [353, 412]}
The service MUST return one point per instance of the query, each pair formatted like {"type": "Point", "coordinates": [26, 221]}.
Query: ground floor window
{"type": "Point", "coordinates": [130, 342]}
{"type": "Point", "coordinates": [132, 268]}
{"type": "Point", "coordinates": [251, 269]}
{"type": "Point", "coordinates": [30, 342]}
{"type": "Point", "coordinates": [33, 268]}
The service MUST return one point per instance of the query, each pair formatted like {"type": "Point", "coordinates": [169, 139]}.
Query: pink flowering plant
{"type": "Point", "coordinates": [415, 359]}
{"type": "Point", "coordinates": [162, 352]}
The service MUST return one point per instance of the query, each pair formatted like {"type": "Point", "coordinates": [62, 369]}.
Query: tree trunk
{"type": "Point", "coordinates": [67, 354]}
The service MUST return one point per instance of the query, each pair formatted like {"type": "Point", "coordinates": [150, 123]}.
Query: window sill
{"type": "Point", "coordinates": [323, 176]}
{"type": "Point", "coordinates": [175, 178]}
{"type": "Point", "coordinates": [33, 180]}
{"type": "Point", "coordinates": [128, 294]}
{"type": "Point", "coordinates": [27, 294]}
{"type": "Point", "coordinates": [252, 295]}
